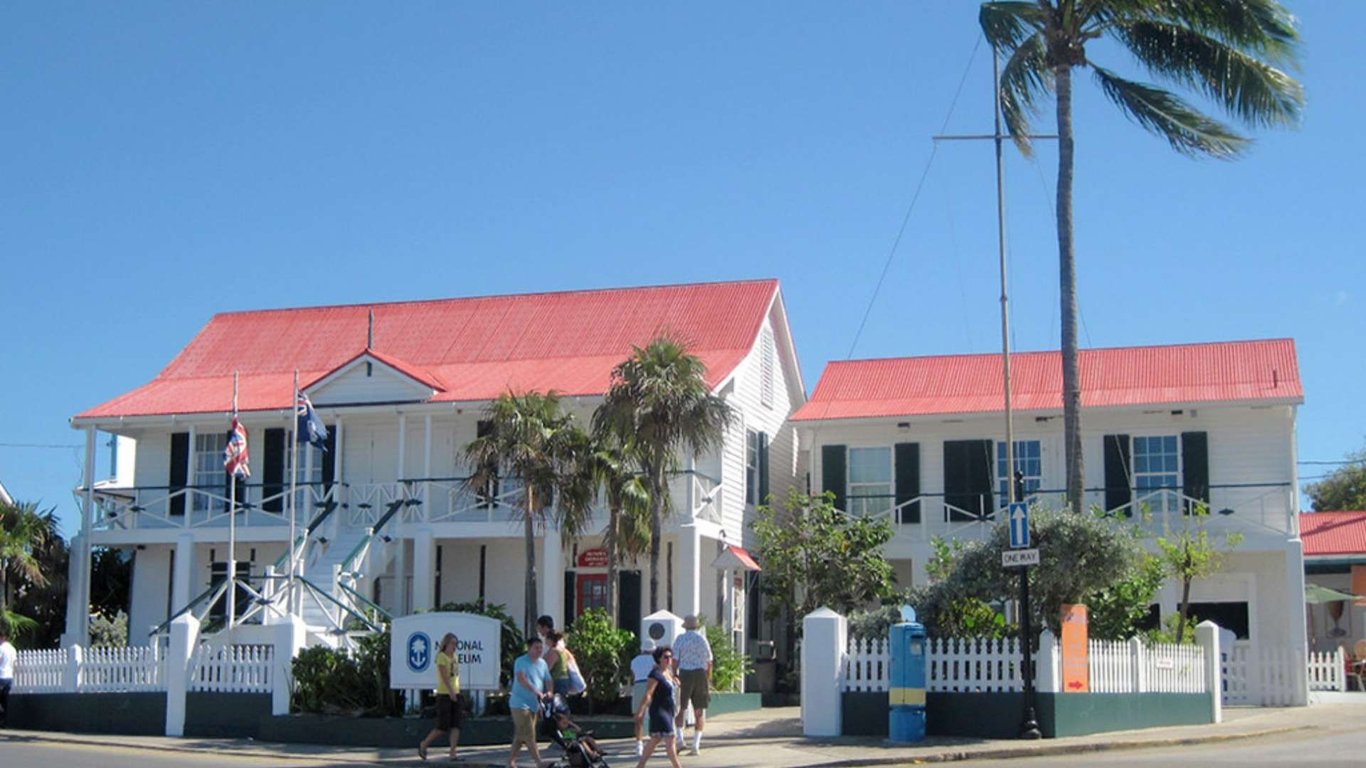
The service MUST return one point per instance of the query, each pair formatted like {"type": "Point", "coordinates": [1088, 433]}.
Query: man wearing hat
{"type": "Point", "coordinates": [692, 654]}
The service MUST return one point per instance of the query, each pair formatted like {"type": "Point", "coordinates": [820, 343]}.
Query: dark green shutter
{"type": "Point", "coordinates": [967, 478]}
{"type": "Point", "coordinates": [570, 600]}
{"type": "Point", "coordinates": [180, 465]}
{"type": "Point", "coordinates": [484, 428]}
{"type": "Point", "coordinates": [273, 470]}
{"type": "Point", "coordinates": [907, 464]}
{"type": "Point", "coordinates": [763, 468]}
{"type": "Point", "coordinates": [1195, 467]}
{"type": "Point", "coordinates": [1118, 490]}
{"type": "Point", "coordinates": [330, 458]}
{"type": "Point", "coordinates": [833, 477]}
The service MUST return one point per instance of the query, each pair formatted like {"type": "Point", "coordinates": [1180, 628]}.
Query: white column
{"type": "Point", "coordinates": [824, 641]}
{"type": "Point", "coordinates": [552, 576]}
{"type": "Point", "coordinates": [401, 595]}
{"type": "Point", "coordinates": [290, 636]}
{"type": "Point", "coordinates": [424, 570]}
{"type": "Point", "coordinates": [179, 655]}
{"type": "Point", "coordinates": [1207, 637]}
{"type": "Point", "coordinates": [1048, 679]}
{"type": "Point", "coordinates": [689, 571]}
{"type": "Point", "coordinates": [182, 577]}
{"type": "Point", "coordinates": [1297, 623]}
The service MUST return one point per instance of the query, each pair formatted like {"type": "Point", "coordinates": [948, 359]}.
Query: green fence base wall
{"type": "Point", "coordinates": [724, 703]}
{"type": "Point", "coordinates": [408, 731]}
{"type": "Point", "coordinates": [997, 715]}
{"type": "Point", "coordinates": [125, 714]}
{"type": "Point", "coordinates": [225, 715]}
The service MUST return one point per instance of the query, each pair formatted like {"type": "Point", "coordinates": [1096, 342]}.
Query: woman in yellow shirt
{"type": "Point", "coordinates": [450, 713]}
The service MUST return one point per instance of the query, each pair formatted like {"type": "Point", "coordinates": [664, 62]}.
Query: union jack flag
{"type": "Point", "coordinates": [236, 456]}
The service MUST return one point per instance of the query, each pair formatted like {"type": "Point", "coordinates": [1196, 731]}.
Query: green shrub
{"type": "Point", "coordinates": [513, 644]}
{"type": "Point", "coordinates": [337, 682]}
{"type": "Point", "coordinates": [604, 654]}
{"type": "Point", "coordinates": [728, 666]}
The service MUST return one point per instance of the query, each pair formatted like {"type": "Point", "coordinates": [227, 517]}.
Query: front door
{"type": "Point", "coordinates": [592, 588]}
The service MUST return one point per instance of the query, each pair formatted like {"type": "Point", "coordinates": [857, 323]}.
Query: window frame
{"type": "Point", "coordinates": [1033, 483]}
{"type": "Point", "coordinates": [859, 503]}
{"type": "Point", "coordinates": [209, 475]}
{"type": "Point", "coordinates": [1171, 500]}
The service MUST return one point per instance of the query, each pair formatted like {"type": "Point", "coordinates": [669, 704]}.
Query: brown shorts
{"type": "Point", "coordinates": [694, 688]}
{"type": "Point", "coordinates": [450, 714]}
{"type": "Point", "coordinates": [523, 726]}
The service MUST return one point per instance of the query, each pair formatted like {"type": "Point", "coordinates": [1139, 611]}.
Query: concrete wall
{"type": "Point", "coordinates": [129, 714]}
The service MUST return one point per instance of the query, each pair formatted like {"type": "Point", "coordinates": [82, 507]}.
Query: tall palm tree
{"type": "Point", "coordinates": [1234, 53]}
{"type": "Point", "coordinates": [532, 439]}
{"type": "Point", "coordinates": [660, 404]}
{"type": "Point", "coordinates": [627, 494]}
{"type": "Point", "coordinates": [24, 531]}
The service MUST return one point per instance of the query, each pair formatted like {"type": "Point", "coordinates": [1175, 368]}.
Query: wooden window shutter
{"type": "Point", "coordinates": [329, 458]}
{"type": "Point", "coordinates": [273, 470]}
{"type": "Point", "coordinates": [763, 468]}
{"type": "Point", "coordinates": [1195, 467]}
{"type": "Point", "coordinates": [907, 468]}
{"type": "Point", "coordinates": [180, 467]}
{"type": "Point", "coordinates": [833, 475]}
{"type": "Point", "coordinates": [967, 478]}
{"type": "Point", "coordinates": [1118, 490]}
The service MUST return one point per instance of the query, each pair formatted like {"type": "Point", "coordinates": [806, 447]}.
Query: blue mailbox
{"type": "Point", "coordinates": [906, 720]}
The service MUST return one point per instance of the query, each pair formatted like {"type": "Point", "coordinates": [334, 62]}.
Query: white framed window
{"type": "Point", "coordinates": [1028, 462]}
{"type": "Point", "coordinates": [1157, 472]}
{"type": "Point", "coordinates": [751, 467]}
{"type": "Point", "coordinates": [210, 477]}
{"type": "Point", "coordinates": [767, 353]}
{"type": "Point", "coordinates": [870, 481]}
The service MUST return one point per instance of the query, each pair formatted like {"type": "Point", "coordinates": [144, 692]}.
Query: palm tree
{"type": "Point", "coordinates": [628, 510]}
{"type": "Point", "coordinates": [1232, 52]}
{"type": "Point", "coordinates": [24, 531]}
{"type": "Point", "coordinates": [534, 440]}
{"type": "Point", "coordinates": [660, 404]}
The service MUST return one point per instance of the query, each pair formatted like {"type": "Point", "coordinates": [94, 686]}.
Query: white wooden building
{"type": "Point", "coordinates": [384, 514]}
{"type": "Point", "coordinates": [921, 440]}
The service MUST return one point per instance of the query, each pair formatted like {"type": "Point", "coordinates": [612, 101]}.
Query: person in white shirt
{"type": "Point", "coordinates": [692, 654]}
{"type": "Point", "coordinates": [640, 676]}
{"type": "Point", "coordinates": [8, 659]}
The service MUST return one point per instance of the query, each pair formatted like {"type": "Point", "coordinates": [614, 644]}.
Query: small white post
{"type": "Point", "coordinates": [180, 654]}
{"type": "Point", "coordinates": [290, 638]}
{"type": "Point", "coordinates": [71, 682]}
{"type": "Point", "coordinates": [1048, 679]}
{"type": "Point", "coordinates": [424, 570]}
{"type": "Point", "coordinates": [1207, 637]}
{"type": "Point", "coordinates": [825, 639]}
{"type": "Point", "coordinates": [1139, 682]}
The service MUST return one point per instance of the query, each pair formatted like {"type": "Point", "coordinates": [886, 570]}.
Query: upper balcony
{"type": "Point", "coordinates": [425, 500]}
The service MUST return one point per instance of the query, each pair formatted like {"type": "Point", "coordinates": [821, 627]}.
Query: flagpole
{"type": "Point", "coordinates": [293, 498]}
{"type": "Point", "coordinates": [232, 523]}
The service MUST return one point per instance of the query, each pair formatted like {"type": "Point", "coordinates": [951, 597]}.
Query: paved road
{"type": "Point", "coordinates": [1320, 749]}
{"type": "Point", "coordinates": [19, 753]}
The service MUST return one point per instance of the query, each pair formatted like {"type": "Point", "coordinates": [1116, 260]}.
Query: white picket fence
{"type": "Point", "coordinates": [1269, 677]}
{"type": "Point", "coordinates": [984, 665]}
{"type": "Point", "coordinates": [1133, 667]}
{"type": "Point", "coordinates": [867, 665]}
{"type": "Point", "coordinates": [233, 669]}
{"type": "Point", "coordinates": [1328, 671]}
{"type": "Point", "coordinates": [89, 670]}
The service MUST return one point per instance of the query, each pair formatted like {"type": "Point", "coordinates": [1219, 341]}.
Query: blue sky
{"type": "Point", "coordinates": [163, 161]}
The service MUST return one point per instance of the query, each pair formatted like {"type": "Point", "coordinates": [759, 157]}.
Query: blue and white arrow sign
{"type": "Point", "coordinates": [1019, 525]}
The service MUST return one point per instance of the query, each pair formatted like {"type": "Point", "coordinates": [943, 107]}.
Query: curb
{"type": "Point", "coordinates": [1055, 750]}
{"type": "Point", "coordinates": [253, 751]}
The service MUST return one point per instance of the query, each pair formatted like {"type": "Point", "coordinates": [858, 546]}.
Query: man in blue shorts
{"type": "Point", "coordinates": [530, 686]}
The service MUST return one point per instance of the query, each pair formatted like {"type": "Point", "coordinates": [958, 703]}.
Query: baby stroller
{"type": "Point", "coordinates": [575, 745]}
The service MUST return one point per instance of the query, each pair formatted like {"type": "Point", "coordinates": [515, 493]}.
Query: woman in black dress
{"type": "Point", "coordinates": [658, 707]}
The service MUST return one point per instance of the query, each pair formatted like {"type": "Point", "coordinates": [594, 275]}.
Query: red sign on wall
{"type": "Point", "coordinates": [593, 558]}
{"type": "Point", "coordinates": [1076, 668]}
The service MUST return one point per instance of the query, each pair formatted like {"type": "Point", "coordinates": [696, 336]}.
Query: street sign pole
{"type": "Point", "coordinates": [1029, 723]}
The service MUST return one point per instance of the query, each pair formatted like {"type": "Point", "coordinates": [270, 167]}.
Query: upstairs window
{"type": "Point", "coordinates": [210, 478]}
{"type": "Point", "coordinates": [870, 481]}
{"type": "Point", "coordinates": [1157, 473]}
{"type": "Point", "coordinates": [1028, 462]}
{"type": "Point", "coordinates": [756, 467]}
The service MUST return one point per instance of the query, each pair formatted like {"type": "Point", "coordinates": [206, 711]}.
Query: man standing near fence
{"type": "Point", "coordinates": [692, 653]}
{"type": "Point", "coordinates": [8, 659]}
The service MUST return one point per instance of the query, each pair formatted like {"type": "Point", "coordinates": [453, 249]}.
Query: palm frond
{"type": "Point", "coordinates": [1006, 24]}
{"type": "Point", "coordinates": [1264, 27]}
{"type": "Point", "coordinates": [1025, 77]}
{"type": "Point", "coordinates": [1188, 130]}
{"type": "Point", "coordinates": [1248, 88]}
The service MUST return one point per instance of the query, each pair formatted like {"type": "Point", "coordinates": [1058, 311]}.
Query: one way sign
{"type": "Point", "coordinates": [1019, 525]}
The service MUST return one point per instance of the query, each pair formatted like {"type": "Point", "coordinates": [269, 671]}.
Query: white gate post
{"type": "Point", "coordinates": [1048, 677]}
{"type": "Point", "coordinates": [290, 637]}
{"type": "Point", "coordinates": [184, 638]}
{"type": "Point", "coordinates": [71, 681]}
{"type": "Point", "coordinates": [1207, 637]}
{"type": "Point", "coordinates": [825, 639]}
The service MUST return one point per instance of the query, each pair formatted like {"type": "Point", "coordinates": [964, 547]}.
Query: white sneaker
{"type": "Point", "coordinates": [692, 751]}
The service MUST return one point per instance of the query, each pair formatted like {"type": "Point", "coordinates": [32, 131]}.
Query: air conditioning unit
{"type": "Point", "coordinates": [660, 628]}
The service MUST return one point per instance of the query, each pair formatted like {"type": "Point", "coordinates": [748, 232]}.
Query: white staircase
{"type": "Point", "coordinates": [320, 565]}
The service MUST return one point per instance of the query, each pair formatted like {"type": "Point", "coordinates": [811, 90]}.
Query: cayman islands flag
{"type": "Point", "coordinates": [310, 428]}
{"type": "Point", "coordinates": [235, 456]}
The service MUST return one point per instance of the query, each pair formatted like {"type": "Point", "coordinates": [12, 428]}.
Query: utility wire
{"type": "Point", "coordinates": [920, 186]}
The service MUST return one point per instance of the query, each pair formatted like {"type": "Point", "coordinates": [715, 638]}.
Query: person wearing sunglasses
{"type": "Point", "coordinates": [658, 708]}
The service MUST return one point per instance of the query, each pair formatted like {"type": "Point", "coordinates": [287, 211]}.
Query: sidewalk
{"type": "Point", "coordinates": [773, 737]}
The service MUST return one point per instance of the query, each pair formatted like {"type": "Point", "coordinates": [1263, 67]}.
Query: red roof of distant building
{"type": "Point", "coordinates": [471, 349]}
{"type": "Point", "coordinates": [1333, 533]}
{"type": "Point", "coordinates": [1235, 371]}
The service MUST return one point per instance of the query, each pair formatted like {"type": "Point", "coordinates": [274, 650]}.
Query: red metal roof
{"type": "Point", "coordinates": [1233, 371]}
{"type": "Point", "coordinates": [470, 349]}
{"type": "Point", "coordinates": [1333, 533]}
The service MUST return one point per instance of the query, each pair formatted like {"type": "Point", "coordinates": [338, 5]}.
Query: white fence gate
{"type": "Point", "coordinates": [1328, 671]}
{"type": "Point", "coordinates": [1270, 677]}
{"type": "Point", "coordinates": [233, 669]}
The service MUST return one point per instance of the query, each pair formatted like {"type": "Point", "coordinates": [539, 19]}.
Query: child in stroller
{"type": "Point", "coordinates": [579, 747]}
